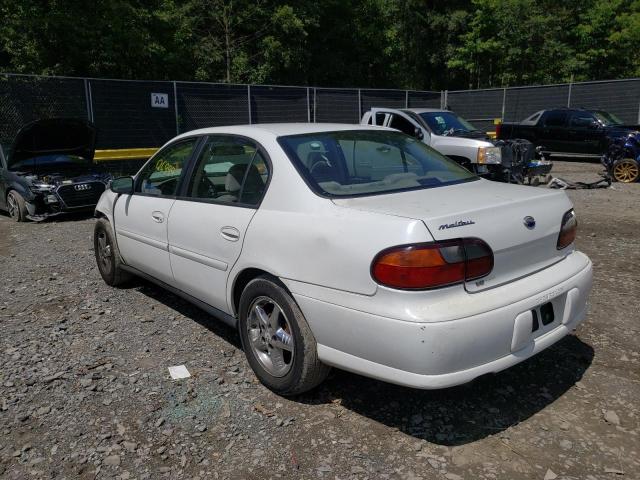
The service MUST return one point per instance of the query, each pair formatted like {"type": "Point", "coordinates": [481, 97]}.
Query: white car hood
{"type": "Point", "coordinates": [491, 211]}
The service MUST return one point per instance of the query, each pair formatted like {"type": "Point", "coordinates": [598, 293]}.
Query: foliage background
{"type": "Point", "coordinates": [414, 44]}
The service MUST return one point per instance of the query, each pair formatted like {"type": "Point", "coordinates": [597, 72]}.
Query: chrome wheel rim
{"type": "Point", "coordinates": [12, 206]}
{"type": "Point", "coordinates": [270, 336]}
{"type": "Point", "coordinates": [104, 252]}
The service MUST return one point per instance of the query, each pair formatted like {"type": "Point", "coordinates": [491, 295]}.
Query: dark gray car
{"type": "Point", "coordinates": [49, 170]}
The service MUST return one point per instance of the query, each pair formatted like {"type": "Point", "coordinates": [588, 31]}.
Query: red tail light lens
{"type": "Point", "coordinates": [498, 129]}
{"type": "Point", "coordinates": [432, 265]}
{"type": "Point", "coordinates": [568, 230]}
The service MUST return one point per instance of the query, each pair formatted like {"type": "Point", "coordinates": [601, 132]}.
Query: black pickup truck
{"type": "Point", "coordinates": [567, 132]}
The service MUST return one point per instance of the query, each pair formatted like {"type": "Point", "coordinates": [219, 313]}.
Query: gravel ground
{"type": "Point", "coordinates": [85, 391]}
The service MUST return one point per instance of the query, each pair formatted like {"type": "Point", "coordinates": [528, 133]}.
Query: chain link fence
{"type": "Point", "coordinates": [482, 107]}
{"type": "Point", "coordinates": [138, 114]}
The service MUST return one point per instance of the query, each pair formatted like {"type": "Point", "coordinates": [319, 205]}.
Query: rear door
{"type": "Point", "coordinates": [553, 131]}
{"type": "Point", "coordinates": [141, 219]}
{"type": "Point", "coordinates": [208, 222]}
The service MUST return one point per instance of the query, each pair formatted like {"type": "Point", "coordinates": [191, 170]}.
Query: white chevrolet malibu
{"type": "Point", "coordinates": [349, 246]}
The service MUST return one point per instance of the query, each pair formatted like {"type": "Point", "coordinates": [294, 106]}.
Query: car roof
{"type": "Point", "coordinates": [279, 129]}
{"type": "Point", "coordinates": [425, 110]}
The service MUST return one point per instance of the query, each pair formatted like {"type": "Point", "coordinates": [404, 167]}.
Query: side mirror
{"type": "Point", "coordinates": [593, 126]}
{"type": "Point", "coordinates": [122, 185]}
{"type": "Point", "coordinates": [418, 133]}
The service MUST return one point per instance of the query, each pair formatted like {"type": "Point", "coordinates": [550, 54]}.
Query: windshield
{"type": "Point", "coordinates": [445, 123]}
{"type": "Point", "coordinates": [48, 161]}
{"type": "Point", "coordinates": [607, 119]}
{"type": "Point", "coordinates": [366, 162]}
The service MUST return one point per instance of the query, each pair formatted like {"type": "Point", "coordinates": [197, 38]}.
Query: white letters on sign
{"type": "Point", "coordinates": [160, 100]}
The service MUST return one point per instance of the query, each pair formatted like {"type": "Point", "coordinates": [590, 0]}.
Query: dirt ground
{"type": "Point", "coordinates": [85, 391]}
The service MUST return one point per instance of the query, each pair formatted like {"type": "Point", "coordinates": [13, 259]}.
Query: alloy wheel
{"type": "Point", "coordinates": [104, 252]}
{"type": "Point", "coordinates": [626, 171]}
{"type": "Point", "coordinates": [12, 206]}
{"type": "Point", "coordinates": [270, 336]}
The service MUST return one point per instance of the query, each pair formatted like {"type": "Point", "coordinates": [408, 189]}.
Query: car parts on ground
{"type": "Point", "coordinates": [622, 158]}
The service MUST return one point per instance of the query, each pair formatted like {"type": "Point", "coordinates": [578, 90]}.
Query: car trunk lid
{"type": "Point", "coordinates": [499, 214]}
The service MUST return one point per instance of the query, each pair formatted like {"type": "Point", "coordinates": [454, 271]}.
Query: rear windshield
{"type": "Point", "coordinates": [367, 162]}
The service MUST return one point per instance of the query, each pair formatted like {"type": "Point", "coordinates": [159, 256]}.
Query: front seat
{"type": "Point", "coordinates": [253, 184]}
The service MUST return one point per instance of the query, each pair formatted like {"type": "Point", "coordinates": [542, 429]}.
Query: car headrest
{"type": "Point", "coordinates": [252, 183]}
{"type": "Point", "coordinates": [233, 182]}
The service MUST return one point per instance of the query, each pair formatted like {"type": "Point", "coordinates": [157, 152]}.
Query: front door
{"type": "Point", "coordinates": [584, 134]}
{"type": "Point", "coordinates": [141, 219]}
{"type": "Point", "coordinates": [400, 121]}
{"type": "Point", "coordinates": [207, 224]}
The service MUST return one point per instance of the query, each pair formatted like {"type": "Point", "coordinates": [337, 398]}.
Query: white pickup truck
{"type": "Point", "coordinates": [448, 133]}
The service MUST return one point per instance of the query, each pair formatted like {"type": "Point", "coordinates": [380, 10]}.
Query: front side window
{"type": "Point", "coordinates": [229, 170]}
{"type": "Point", "coordinates": [402, 124]}
{"type": "Point", "coordinates": [581, 119]}
{"type": "Point", "coordinates": [366, 162]}
{"type": "Point", "coordinates": [161, 175]}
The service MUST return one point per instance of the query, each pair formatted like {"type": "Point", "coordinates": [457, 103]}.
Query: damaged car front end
{"type": "Point", "coordinates": [49, 170]}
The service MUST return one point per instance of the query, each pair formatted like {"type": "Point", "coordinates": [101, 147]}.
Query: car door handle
{"type": "Point", "coordinates": [230, 233]}
{"type": "Point", "coordinates": [157, 217]}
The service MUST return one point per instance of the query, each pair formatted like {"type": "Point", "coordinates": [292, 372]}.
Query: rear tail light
{"type": "Point", "coordinates": [431, 265]}
{"type": "Point", "coordinates": [498, 129]}
{"type": "Point", "coordinates": [568, 230]}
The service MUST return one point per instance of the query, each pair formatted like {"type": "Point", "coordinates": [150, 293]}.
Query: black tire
{"type": "Point", "coordinates": [305, 371]}
{"type": "Point", "coordinates": [17, 206]}
{"type": "Point", "coordinates": [107, 255]}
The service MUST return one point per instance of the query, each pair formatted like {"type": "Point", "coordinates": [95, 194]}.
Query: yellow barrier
{"type": "Point", "coordinates": [123, 154]}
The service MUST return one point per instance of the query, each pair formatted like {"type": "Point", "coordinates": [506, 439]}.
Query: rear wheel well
{"type": "Point", "coordinates": [241, 281]}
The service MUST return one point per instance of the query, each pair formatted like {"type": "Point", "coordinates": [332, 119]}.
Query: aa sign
{"type": "Point", "coordinates": [160, 100]}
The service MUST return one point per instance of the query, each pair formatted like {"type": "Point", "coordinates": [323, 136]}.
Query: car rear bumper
{"type": "Point", "coordinates": [437, 354]}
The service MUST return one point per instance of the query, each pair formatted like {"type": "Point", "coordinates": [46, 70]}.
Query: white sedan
{"type": "Point", "coordinates": [349, 246]}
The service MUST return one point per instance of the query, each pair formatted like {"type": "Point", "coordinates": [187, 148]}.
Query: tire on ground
{"type": "Point", "coordinates": [306, 371]}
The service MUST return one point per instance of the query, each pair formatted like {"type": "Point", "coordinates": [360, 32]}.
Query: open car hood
{"type": "Point", "coordinates": [51, 136]}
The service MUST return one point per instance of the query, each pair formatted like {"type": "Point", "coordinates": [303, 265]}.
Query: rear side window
{"type": "Point", "coordinates": [367, 162]}
{"type": "Point", "coordinates": [229, 170]}
{"type": "Point", "coordinates": [555, 119]}
{"type": "Point", "coordinates": [160, 177]}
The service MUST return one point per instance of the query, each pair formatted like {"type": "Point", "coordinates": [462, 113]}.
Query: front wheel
{"type": "Point", "coordinates": [17, 206]}
{"type": "Point", "coordinates": [107, 255]}
{"type": "Point", "coordinates": [626, 170]}
{"type": "Point", "coordinates": [277, 340]}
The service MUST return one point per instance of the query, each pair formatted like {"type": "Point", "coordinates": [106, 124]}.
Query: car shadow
{"type": "Point", "coordinates": [65, 217]}
{"type": "Point", "coordinates": [449, 417]}
{"type": "Point", "coordinates": [187, 309]}
{"type": "Point", "coordinates": [460, 415]}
